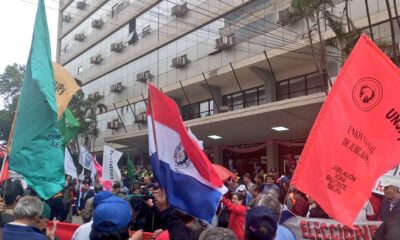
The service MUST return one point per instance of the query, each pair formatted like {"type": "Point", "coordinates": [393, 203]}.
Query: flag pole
{"type": "Point", "coordinates": [154, 126]}
{"type": "Point", "coordinates": [8, 148]}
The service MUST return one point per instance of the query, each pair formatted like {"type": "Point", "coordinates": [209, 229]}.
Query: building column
{"type": "Point", "coordinates": [218, 156]}
{"type": "Point", "coordinates": [216, 92]}
{"type": "Point", "coordinates": [269, 83]}
{"type": "Point", "coordinates": [272, 155]}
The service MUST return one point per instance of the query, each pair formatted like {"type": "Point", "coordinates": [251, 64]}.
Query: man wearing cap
{"type": "Point", "coordinates": [391, 203]}
{"type": "Point", "coordinates": [261, 224]}
{"type": "Point", "coordinates": [83, 232]}
{"type": "Point", "coordinates": [111, 220]}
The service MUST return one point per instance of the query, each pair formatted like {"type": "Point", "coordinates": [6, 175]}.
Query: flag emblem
{"type": "Point", "coordinates": [181, 158]}
{"type": "Point", "coordinates": [367, 93]}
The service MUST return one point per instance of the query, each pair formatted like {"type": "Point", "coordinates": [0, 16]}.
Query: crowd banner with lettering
{"type": "Point", "coordinates": [110, 164]}
{"type": "Point", "coordinates": [65, 231]}
{"type": "Point", "coordinates": [393, 176]}
{"type": "Point", "coordinates": [327, 229]}
{"type": "Point", "coordinates": [85, 158]}
{"type": "Point", "coordinates": [356, 136]}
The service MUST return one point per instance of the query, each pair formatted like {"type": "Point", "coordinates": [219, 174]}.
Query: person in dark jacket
{"type": "Point", "coordinates": [389, 229]}
{"type": "Point", "coordinates": [391, 203]}
{"type": "Point", "coordinates": [27, 212]}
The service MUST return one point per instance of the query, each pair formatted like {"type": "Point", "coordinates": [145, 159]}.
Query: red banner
{"type": "Point", "coordinates": [65, 231]}
{"type": "Point", "coordinates": [356, 136]}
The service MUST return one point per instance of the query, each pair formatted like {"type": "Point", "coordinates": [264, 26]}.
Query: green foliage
{"type": "Point", "coordinates": [10, 88]}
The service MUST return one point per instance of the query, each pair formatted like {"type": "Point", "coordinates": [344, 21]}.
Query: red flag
{"type": "Point", "coordinates": [356, 136]}
{"type": "Point", "coordinates": [6, 174]}
{"type": "Point", "coordinates": [99, 169]}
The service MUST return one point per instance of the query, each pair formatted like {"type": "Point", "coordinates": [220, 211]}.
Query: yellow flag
{"type": "Point", "coordinates": [66, 87]}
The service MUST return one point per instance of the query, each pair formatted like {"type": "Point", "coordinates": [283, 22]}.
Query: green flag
{"type": "Point", "coordinates": [131, 171]}
{"type": "Point", "coordinates": [68, 125]}
{"type": "Point", "coordinates": [37, 146]}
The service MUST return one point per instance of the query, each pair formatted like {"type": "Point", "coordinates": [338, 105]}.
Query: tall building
{"type": "Point", "coordinates": [241, 71]}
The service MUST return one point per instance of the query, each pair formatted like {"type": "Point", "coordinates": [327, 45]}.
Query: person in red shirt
{"type": "Point", "coordinates": [237, 216]}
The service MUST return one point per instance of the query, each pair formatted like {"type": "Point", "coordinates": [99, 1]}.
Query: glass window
{"type": "Point", "coordinates": [297, 86]}
{"type": "Point", "coordinates": [251, 97]}
{"type": "Point", "coordinates": [282, 90]}
{"type": "Point", "coordinates": [313, 83]}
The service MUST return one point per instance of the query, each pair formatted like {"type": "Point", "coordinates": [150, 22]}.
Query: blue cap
{"type": "Point", "coordinates": [100, 196]}
{"type": "Point", "coordinates": [261, 223]}
{"type": "Point", "coordinates": [111, 215]}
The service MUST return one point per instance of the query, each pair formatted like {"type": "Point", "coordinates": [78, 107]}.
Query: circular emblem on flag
{"type": "Point", "coordinates": [181, 158]}
{"type": "Point", "coordinates": [367, 93]}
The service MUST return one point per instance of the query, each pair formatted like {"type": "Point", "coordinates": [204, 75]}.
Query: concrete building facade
{"type": "Point", "coordinates": [236, 69]}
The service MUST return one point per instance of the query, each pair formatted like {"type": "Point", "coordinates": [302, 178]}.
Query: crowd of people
{"type": "Point", "coordinates": [251, 210]}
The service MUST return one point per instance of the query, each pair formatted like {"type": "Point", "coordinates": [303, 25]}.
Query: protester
{"type": "Point", "coordinates": [389, 229]}
{"type": "Point", "coordinates": [14, 192]}
{"type": "Point", "coordinates": [26, 212]}
{"type": "Point", "coordinates": [247, 181]}
{"type": "Point", "coordinates": [111, 220]}
{"type": "Point", "coordinates": [270, 184]}
{"type": "Point", "coordinates": [237, 215]}
{"type": "Point", "coordinates": [180, 226]}
{"type": "Point", "coordinates": [271, 202]}
{"type": "Point", "coordinates": [391, 203]}
{"type": "Point", "coordinates": [85, 194]}
{"type": "Point", "coordinates": [315, 211]}
{"type": "Point", "coordinates": [58, 207]}
{"type": "Point", "coordinates": [217, 233]}
{"type": "Point", "coordinates": [87, 212]}
{"type": "Point", "coordinates": [261, 224]}
{"type": "Point", "coordinates": [83, 232]}
{"type": "Point", "coordinates": [43, 220]}
{"type": "Point", "coordinates": [300, 203]}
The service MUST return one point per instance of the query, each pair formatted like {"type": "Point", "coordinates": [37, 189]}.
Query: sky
{"type": "Point", "coordinates": [16, 23]}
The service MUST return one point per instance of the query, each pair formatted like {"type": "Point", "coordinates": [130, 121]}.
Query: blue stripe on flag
{"type": "Point", "coordinates": [185, 192]}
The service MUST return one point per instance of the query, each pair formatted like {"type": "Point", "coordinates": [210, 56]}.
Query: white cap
{"type": "Point", "coordinates": [388, 181]}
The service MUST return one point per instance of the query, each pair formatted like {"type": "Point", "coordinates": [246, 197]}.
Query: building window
{"type": "Point", "coordinates": [198, 109]}
{"type": "Point", "coordinates": [300, 86]}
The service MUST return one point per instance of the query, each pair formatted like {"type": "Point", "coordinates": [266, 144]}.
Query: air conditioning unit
{"type": "Point", "coordinates": [97, 23]}
{"type": "Point", "coordinates": [179, 10]}
{"type": "Point", "coordinates": [114, 124]}
{"type": "Point", "coordinates": [141, 118]}
{"type": "Point", "coordinates": [66, 18]}
{"type": "Point", "coordinates": [143, 76]}
{"type": "Point", "coordinates": [284, 16]}
{"type": "Point", "coordinates": [79, 37]}
{"type": "Point", "coordinates": [96, 59]}
{"type": "Point", "coordinates": [180, 61]}
{"type": "Point", "coordinates": [81, 5]}
{"type": "Point", "coordinates": [117, 47]}
{"type": "Point", "coordinates": [223, 108]}
{"type": "Point", "coordinates": [225, 41]}
{"type": "Point", "coordinates": [117, 87]}
{"type": "Point", "coordinates": [146, 31]}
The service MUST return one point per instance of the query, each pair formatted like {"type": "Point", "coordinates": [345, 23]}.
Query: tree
{"type": "Point", "coordinates": [10, 88]}
{"type": "Point", "coordinates": [85, 111]}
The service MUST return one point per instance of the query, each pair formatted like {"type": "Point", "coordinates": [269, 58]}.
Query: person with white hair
{"type": "Point", "coordinates": [391, 203]}
{"type": "Point", "coordinates": [26, 212]}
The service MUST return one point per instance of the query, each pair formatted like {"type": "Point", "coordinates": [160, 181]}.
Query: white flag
{"type": "Point", "coordinates": [193, 137]}
{"type": "Point", "coordinates": [69, 166]}
{"type": "Point", "coordinates": [82, 175]}
{"type": "Point", "coordinates": [85, 158]}
{"type": "Point", "coordinates": [110, 164]}
{"type": "Point", "coordinates": [94, 171]}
